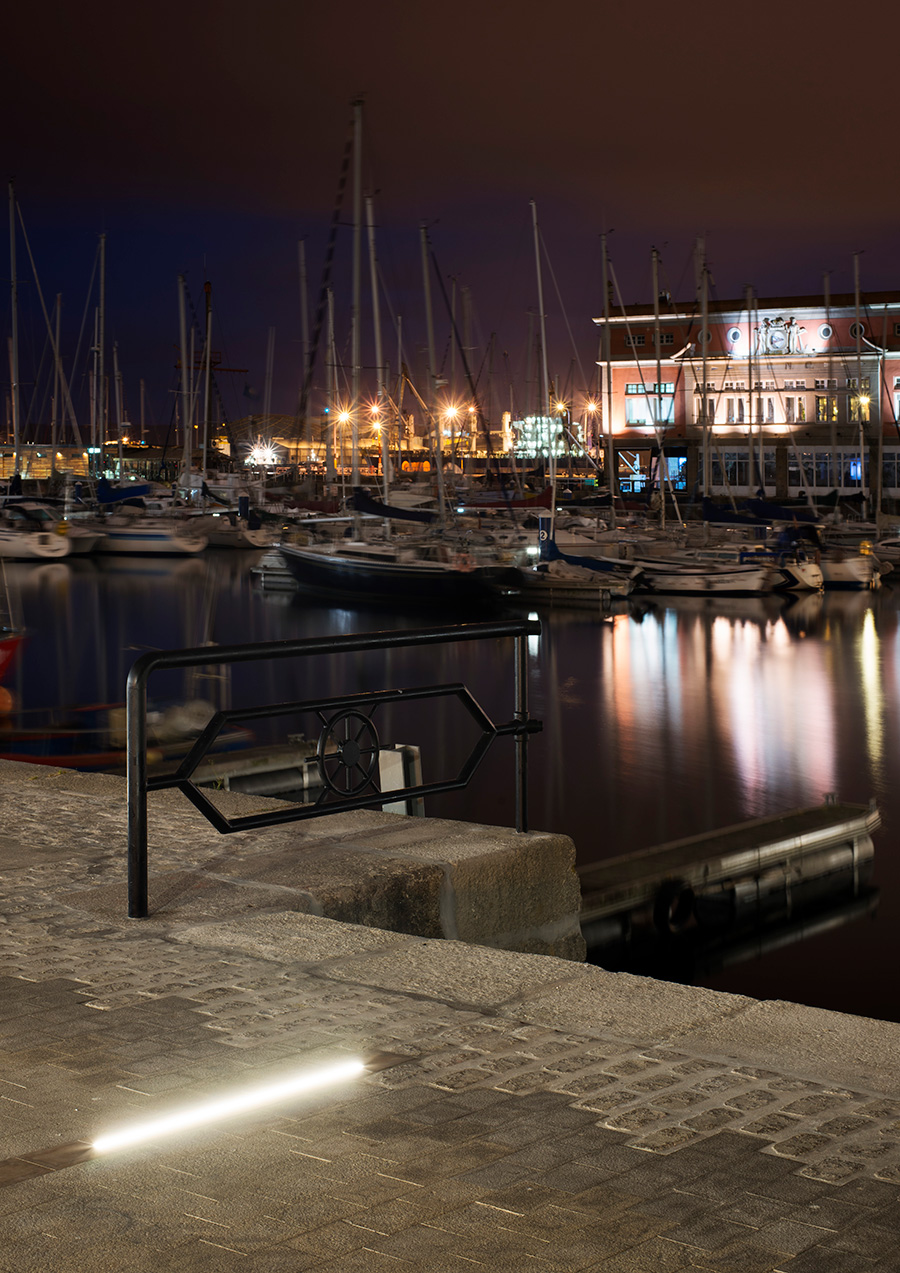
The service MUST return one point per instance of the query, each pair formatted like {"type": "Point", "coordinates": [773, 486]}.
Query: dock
{"type": "Point", "coordinates": [776, 861]}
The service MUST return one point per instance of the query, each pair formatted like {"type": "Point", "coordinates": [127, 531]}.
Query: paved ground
{"type": "Point", "coordinates": [547, 1115]}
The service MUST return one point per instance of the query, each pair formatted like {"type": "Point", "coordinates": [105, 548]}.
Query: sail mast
{"type": "Point", "coordinates": [304, 340]}
{"type": "Point", "coordinates": [379, 356]}
{"type": "Point", "coordinates": [14, 337]}
{"type": "Point", "coordinates": [545, 379]}
{"type": "Point", "coordinates": [207, 382]}
{"type": "Point", "coordinates": [103, 411]}
{"type": "Point", "coordinates": [186, 405]}
{"type": "Point", "coordinates": [658, 413]}
{"type": "Point", "coordinates": [432, 370]}
{"type": "Point", "coordinates": [859, 403]}
{"type": "Point", "coordinates": [607, 414]}
{"type": "Point", "coordinates": [357, 261]}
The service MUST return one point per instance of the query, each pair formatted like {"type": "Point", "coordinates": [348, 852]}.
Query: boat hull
{"type": "Point", "coordinates": [743, 581]}
{"type": "Point", "coordinates": [158, 541]}
{"type": "Point", "coordinates": [33, 545]}
{"type": "Point", "coordinates": [413, 580]}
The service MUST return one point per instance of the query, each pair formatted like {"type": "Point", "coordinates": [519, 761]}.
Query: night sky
{"type": "Point", "coordinates": [207, 139]}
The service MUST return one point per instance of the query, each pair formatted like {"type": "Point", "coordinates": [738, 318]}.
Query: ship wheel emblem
{"type": "Point", "coordinates": [347, 753]}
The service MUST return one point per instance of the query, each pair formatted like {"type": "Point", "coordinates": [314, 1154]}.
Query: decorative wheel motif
{"type": "Point", "coordinates": [347, 753]}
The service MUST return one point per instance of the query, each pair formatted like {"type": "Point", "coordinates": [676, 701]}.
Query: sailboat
{"type": "Point", "coordinates": [418, 571]}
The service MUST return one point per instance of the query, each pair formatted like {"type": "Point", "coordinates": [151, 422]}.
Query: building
{"type": "Point", "coordinates": [795, 396]}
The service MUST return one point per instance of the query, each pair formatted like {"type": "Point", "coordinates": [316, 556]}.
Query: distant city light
{"type": "Point", "coordinates": [263, 455]}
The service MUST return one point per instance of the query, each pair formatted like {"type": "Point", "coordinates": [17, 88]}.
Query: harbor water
{"type": "Point", "coordinates": [662, 718]}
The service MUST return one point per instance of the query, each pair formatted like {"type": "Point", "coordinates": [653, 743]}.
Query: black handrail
{"type": "Point", "coordinates": [139, 782]}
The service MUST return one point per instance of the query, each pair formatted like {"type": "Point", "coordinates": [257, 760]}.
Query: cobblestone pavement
{"type": "Point", "coordinates": [499, 1142]}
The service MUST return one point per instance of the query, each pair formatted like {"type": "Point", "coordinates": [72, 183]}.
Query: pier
{"type": "Point", "coordinates": [722, 874]}
{"type": "Point", "coordinates": [531, 1111]}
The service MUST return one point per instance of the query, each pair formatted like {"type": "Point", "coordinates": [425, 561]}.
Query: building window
{"type": "Point", "coordinates": [633, 341]}
{"type": "Point", "coordinates": [704, 336]}
{"type": "Point", "coordinates": [770, 410]}
{"type": "Point", "coordinates": [826, 409]}
{"type": "Point", "coordinates": [801, 409]}
{"type": "Point", "coordinates": [857, 329]}
{"type": "Point", "coordinates": [789, 410]}
{"type": "Point", "coordinates": [826, 384]}
{"type": "Point", "coordinates": [733, 335]}
{"type": "Point", "coordinates": [667, 386]}
{"type": "Point", "coordinates": [826, 331]}
{"type": "Point", "coordinates": [666, 338]}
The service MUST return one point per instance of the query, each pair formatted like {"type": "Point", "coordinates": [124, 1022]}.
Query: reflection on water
{"type": "Point", "coordinates": [662, 718]}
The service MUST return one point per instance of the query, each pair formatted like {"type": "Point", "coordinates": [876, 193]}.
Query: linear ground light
{"type": "Point", "coordinates": [227, 1107]}
{"type": "Point", "coordinates": [36, 1163]}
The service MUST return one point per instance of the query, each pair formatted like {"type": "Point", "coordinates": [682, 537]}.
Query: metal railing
{"type": "Point", "coordinates": [348, 746]}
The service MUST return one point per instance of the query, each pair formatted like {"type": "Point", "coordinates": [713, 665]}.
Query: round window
{"type": "Point", "coordinates": [734, 334]}
{"type": "Point", "coordinates": [704, 336]}
{"type": "Point", "coordinates": [826, 331]}
{"type": "Point", "coordinates": [857, 329]}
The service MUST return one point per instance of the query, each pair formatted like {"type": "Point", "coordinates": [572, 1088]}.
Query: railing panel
{"type": "Point", "coordinates": [348, 744]}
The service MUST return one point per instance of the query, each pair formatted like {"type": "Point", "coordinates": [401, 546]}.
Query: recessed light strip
{"type": "Point", "coordinates": [214, 1111]}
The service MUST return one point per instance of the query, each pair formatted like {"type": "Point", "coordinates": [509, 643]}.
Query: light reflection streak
{"type": "Point", "coordinates": [872, 688]}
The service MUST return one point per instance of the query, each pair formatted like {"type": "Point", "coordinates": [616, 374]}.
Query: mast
{"type": "Point", "coordinates": [54, 428]}
{"type": "Point", "coordinates": [207, 382]}
{"type": "Point", "coordinates": [304, 337]}
{"type": "Point", "coordinates": [400, 388]}
{"type": "Point", "coordinates": [379, 356]}
{"type": "Point", "coordinates": [93, 388]}
{"type": "Point", "coordinates": [704, 401]}
{"type": "Point", "coordinates": [14, 337]}
{"type": "Point", "coordinates": [545, 379]}
{"type": "Point", "coordinates": [750, 374]}
{"type": "Point", "coordinates": [838, 478]}
{"type": "Point", "coordinates": [432, 371]}
{"type": "Point", "coordinates": [658, 414]}
{"type": "Point", "coordinates": [143, 385]}
{"type": "Point", "coordinates": [101, 359]}
{"type": "Point", "coordinates": [117, 387]}
{"type": "Point", "coordinates": [357, 247]}
{"type": "Point", "coordinates": [186, 405]}
{"type": "Point", "coordinates": [859, 402]}
{"type": "Point", "coordinates": [330, 431]}
{"type": "Point", "coordinates": [610, 461]}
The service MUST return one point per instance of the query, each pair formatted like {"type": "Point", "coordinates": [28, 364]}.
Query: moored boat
{"type": "Point", "coordinates": [565, 583]}
{"type": "Point", "coordinates": [708, 578]}
{"type": "Point", "coordinates": [414, 571]}
{"type": "Point", "coordinates": [161, 536]}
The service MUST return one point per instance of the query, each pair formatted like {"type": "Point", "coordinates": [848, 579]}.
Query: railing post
{"type": "Point", "coordinates": [521, 716]}
{"type": "Point", "coordinates": [136, 777]}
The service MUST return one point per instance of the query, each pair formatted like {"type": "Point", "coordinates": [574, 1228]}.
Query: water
{"type": "Point", "coordinates": [661, 720]}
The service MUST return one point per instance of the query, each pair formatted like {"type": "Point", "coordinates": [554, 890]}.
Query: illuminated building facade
{"type": "Point", "coordinates": [789, 395]}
